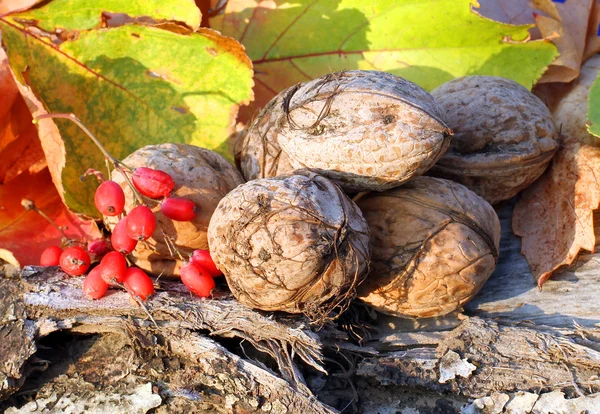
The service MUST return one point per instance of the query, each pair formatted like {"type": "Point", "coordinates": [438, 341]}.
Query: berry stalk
{"type": "Point", "coordinates": [118, 165]}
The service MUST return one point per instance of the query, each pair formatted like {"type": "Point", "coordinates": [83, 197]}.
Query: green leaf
{"type": "Point", "coordinates": [91, 14]}
{"type": "Point", "coordinates": [132, 86]}
{"type": "Point", "coordinates": [594, 108]}
{"type": "Point", "coordinates": [428, 42]}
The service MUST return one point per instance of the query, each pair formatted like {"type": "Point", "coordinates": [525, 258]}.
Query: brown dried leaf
{"type": "Point", "coordinates": [555, 215]}
{"type": "Point", "coordinates": [563, 26]}
{"type": "Point", "coordinates": [592, 45]}
{"type": "Point", "coordinates": [558, 22]}
{"type": "Point", "coordinates": [507, 11]}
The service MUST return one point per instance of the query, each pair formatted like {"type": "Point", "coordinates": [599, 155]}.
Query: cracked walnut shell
{"type": "Point", "coordinates": [365, 130]}
{"type": "Point", "coordinates": [504, 136]}
{"type": "Point", "coordinates": [293, 243]}
{"type": "Point", "coordinates": [434, 243]}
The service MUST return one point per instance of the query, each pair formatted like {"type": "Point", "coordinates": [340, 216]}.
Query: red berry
{"type": "Point", "coordinates": [138, 283]}
{"type": "Point", "coordinates": [113, 267]}
{"type": "Point", "coordinates": [197, 279]}
{"type": "Point", "coordinates": [74, 261]}
{"type": "Point", "coordinates": [98, 248]}
{"type": "Point", "coordinates": [93, 285]}
{"type": "Point", "coordinates": [51, 256]}
{"type": "Point", "coordinates": [109, 198]}
{"type": "Point", "coordinates": [204, 260]}
{"type": "Point", "coordinates": [121, 242]}
{"type": "Point", "coordinates": [152, 183]}
{"type": "Point", "coordinates": [141, 223]}
{"type": "Point", "coordinates": [178, 209]}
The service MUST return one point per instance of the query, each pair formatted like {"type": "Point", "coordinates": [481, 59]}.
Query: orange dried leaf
{"type": "Point", "coordinates": [8, 88]}
{"type": "Point", "coordinates": [25, 233]}
{"type": "Point", "coordinates": [20, 147]}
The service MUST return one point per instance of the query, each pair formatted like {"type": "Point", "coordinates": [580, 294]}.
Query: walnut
{"type": "Point", "coordinates": [365, 130]}
{"type": "Point", "coordinates": [200, 175]}
{"type": "Point", "coordinates": [504, 136]}
{"type": "Point", "coordinates": [434, 244]}
{"type": "Point", "coordinates": [294, 243]}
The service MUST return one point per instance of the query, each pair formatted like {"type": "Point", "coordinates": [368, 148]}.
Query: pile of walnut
{"type": "Point", "coordinates": [292, 238]}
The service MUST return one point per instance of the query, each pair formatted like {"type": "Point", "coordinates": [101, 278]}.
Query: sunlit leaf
{"type": "Point", "coordinates": [131, 85]}
{"type": "Point", "coordinates": [90, 14]}
{"type": "Point", "coordinates": [428, 42]}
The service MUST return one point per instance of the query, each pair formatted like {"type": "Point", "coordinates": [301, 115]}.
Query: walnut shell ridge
{"type": "Point", "coordinates": [200, 175]}
{"type": "Point", "coordinates": [504, 136]}
{"type": "Point", "coordinates": [293, 243]}
{"type": "Point", "coordinates": [434, 243]}
{"type": "Point", "coordinates": [365, 130]}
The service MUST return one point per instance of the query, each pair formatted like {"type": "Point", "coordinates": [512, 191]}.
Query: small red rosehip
{"type": "Point", "coordinates": [109, 198]}
{"type": "Point", "coordinates": [178, 209]}
{"type": "Point", "coordinates": [141, 223]}
{"type": "Point", "coordinates": [138, 283]}
{"type": "Point", "coordinates": [74, 261]}
{"type": "Point", "coordinates": [113, 267]}
{"type": "Point", "coordinates": [120, 240]}
{"type": "Point", "coordinates": [197, 279]}
{"type": "Point", "coordinates": [98, 248]}
{"type": "Point", "coordinates": [152, 183]}
{"type": "Point", "coordinates": [94, 287]}
{"type": "Point", "coordinates": [51, 256]}
{"type": "Point", "coordinates": [204, 260]}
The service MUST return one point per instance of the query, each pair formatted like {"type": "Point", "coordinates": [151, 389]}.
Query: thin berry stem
{"type": "Point", "coordinates": [116, 163]}
{"type": "Point", "coordinates": [30, 205]}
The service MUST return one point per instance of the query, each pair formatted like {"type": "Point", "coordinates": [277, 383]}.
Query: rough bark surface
{"type": "Point", "coordinates": [505, 356]}
{"type": "Point", "coordinates": [16, 337]}
{"type": "Point", "coordinates": [481, 357]}
{"type": "Point", "coordinates": [504, 136]}
{"type": "Point", "coordinates": [53, 295]}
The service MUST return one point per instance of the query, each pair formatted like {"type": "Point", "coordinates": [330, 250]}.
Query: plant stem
{"type": "Point", "coordinates": [73, 118]}
{"type": "Point", "coordinates": [30, 205]}
{"type": "Point", "coordinates": [116, 163]}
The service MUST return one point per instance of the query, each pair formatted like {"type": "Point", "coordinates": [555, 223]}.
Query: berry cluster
{"type": "Point", "coordinates": [137, 225]}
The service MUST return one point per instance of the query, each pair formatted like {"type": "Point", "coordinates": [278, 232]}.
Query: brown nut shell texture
{"type": "Point", "coordinates": [434, 244]}
{"type": "Point", "coordinates": [294, 243]}
{"type": "Point", "coordinates": [504, 136]}
{"type": "Point", "coordinates": [200, 175]}
{"type": "Point", "coordinates": [365, 130]}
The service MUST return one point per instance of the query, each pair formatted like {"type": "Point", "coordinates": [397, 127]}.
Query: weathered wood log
{"type": "Point", "coordinates": [16, 337]}
{"type": "Point", "coordinates": [50, 294]}
{"type": "Point", "coordinates": [511, 294]}
{"type": "Point", "coordinates": [481, 357]}
{"type": "Point", "coordinates": [55, 302]}
{"type": "Point", "coordinates": [516, 337]}
{"type": "Point", "coordinates": [511, 338]}
{"type": "Point", "coordinates": [234, 383]}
